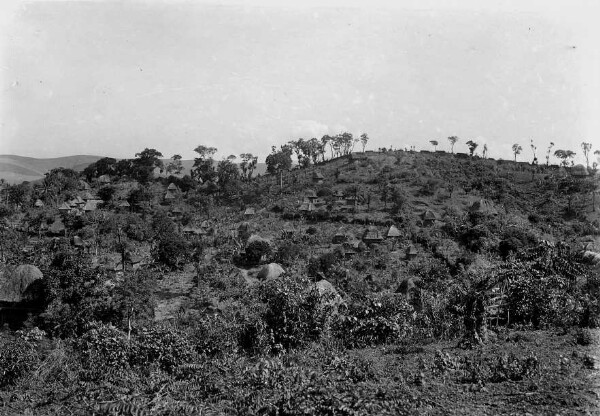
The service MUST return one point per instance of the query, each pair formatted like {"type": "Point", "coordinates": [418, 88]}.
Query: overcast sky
{"type": "Point", "coordinates": [111, 78]}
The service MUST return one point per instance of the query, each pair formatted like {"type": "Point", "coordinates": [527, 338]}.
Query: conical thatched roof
{"type": "Point", "coordinates": [250, 211]}
{"type": "Point", "coordinates": [124, 204]}
{"type": "Point", "coordinates": [64, 207]}
{"type": "Point", "coordinates": [429, 215]}
{"type": "Point", "coordinates": [84, 186]}
{"type": "Point", "coordinates": [169, 195]}
{"type": "Point", "coordinates": [392, 232]}
{"type": "Point", "coordinates": [38, 203]}
{"type": "Point", "coordinates": [483, 206]}
{"type": "Point", "coordinates": [310, 193]}
{"type": "Point", "coordinates": [270, 271]}
{"type": "Point", "coordinates": [14, 282]}
{"type": "Point", "coordinates": [317, 175]}
{"type": "Point", "coordinates": [87, 196]}
{"type": "Point", "coordinates": [77, 241]}
{"type": "Point", "coordinates": [172, 187]}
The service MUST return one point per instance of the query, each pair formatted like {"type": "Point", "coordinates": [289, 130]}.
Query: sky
{"type": "Point", "coordinates": [112, 78]}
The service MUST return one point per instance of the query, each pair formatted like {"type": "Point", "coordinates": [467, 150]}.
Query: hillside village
{"type": "Point", "coordinates": [371, 282]}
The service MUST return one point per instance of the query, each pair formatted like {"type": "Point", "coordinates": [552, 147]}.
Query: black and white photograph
{"type": "Point", "coordinates": [281, 208]}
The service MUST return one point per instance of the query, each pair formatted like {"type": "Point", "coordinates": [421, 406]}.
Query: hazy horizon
{"type": "Point", "coordinates": [112, 78]}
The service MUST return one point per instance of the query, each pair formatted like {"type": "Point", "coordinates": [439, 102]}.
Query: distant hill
{"type": "Point", "coordinates": [16, 169]}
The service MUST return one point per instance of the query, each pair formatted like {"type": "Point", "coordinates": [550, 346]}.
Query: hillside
{"type": "Point", "coordinates": [392, 283]}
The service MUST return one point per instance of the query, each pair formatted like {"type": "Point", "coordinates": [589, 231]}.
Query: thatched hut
{"type": "Point", "coordinates": [16, 283]}
{"type": "Point", "coordinates": [271, 271]}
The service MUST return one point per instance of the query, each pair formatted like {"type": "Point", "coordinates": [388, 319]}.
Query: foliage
{"type": "Point", "coordinates": [163, 345]}
{"type": "Point", "coordinates": [279, 160]}
{"type": "Point", "coordinates": [102, 347]}
{"type": "Point", "coordinates": [255, 251]}
{"type": "Point", "coordinates": [294, 312]}
{"type": "Point", "coordinates": [74, 294]}
{"type": "Point", "coordinates": [17, 358]}
{"type": "Point", "coordinates": [376, 319]}
{"type": "Point", "coordinates": [204, 169]}
{"type": "Point", "coordinates": [106, 193]}
{"type": "Point", "coordinates": [171, 250]}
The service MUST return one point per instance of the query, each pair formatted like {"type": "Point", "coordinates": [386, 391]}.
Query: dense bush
{"type": "Point", "coordinates": [256, 250]}
{"type": "Point", "coordinates": [171, 250]}
{"type": "Point", "coordinates": [378, 319]}
{"type": "Point", "coordinates": [17, 358]}
{"type": "Point", "coordinates": [294, 314]}
{"type": "Point", "coordinates": [103, 347]}
{"type": "Point", "coordinates": [164, 345]}
{"type": "Point", "coordinates": [74, 294]}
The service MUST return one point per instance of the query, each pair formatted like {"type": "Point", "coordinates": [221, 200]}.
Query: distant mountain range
{"type": "Point", "coordinates": [16, 169]}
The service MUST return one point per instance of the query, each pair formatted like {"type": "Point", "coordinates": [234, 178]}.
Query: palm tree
{"type": "Point", "coordinates": [516, 148]}
{"type": "Point", "coordinates": [434, 143]}
{"type": "Point", "coordinates": [485, 150]}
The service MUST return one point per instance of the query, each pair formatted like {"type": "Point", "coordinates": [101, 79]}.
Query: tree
{"type": "Point", "coordinates": [248, 165]}
{"type": "Point", "coordinates": [228, 174]}
{"type": "Point", "coordinates": [434, 143]}
{"type": "Point", "coordinates": [564, 155]}
{"type": "Point", "coordinates": [485, 150]}
{"type": "Point", "coordinates": [548, 153]}
{"type": "Point", "coordinates": [125, 167]}
{"type": "Point", "coordinates": [587, 147]}
{"type": "Point", "coordinates": [170, 250]}
{"type": "Point", "coordinates": [315, 150]}
{"type": "Point", "coordinates": [516, 148]}
{"type": "Point", "coordinates": [145, 163]}
{"type": "Point", "coordinates": [327, 140]}
{"type": "Point", "coordinates": [452, 140]}
{"type": "Point", "coordinates": [364, 140]}
{"type": "Point", "coordinates": [19, 194]}
{"type": "Point", "coordinates": [279, 161]}
{"type": "Point", "coordinates": [204, 168]}
{"type": "Point", "coordinates": [175, 166]}
{"type": "Point", "coordinates": [256, 250]}
{"type": "Point", "coordinates": [106, 193]}
{"type": "Point", "coordinates": [472, 146]}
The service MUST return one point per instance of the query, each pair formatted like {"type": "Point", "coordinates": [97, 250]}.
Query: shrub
{"type": "Point", "coordinates": [171, 250]}
{"type": "Point", "coordinates": [163, 345]}
{"type": "Point", "coordinates": [294, 313]}
{"type": "Point", "coordinates": [256, 250]}
{"type": "Point", "coordinates": [380, 319]}
{"type": "Point", "coordinates": [17, 358]}
{"type": "Point", "coordinates": [103, 347]}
